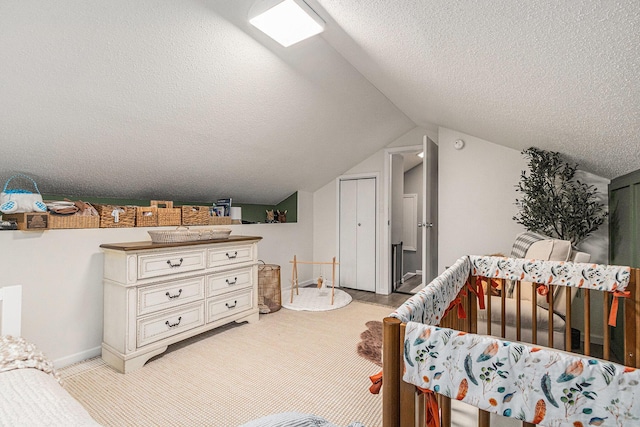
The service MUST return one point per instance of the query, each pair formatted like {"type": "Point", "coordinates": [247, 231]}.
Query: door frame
{"type": "Point", "coordinates": [350, 177]}
{"type": "Point", "coordinates": [386, 286]}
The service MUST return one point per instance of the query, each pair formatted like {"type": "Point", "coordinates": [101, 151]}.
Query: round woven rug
{"type": "Point", "coordinates": [314, 299]}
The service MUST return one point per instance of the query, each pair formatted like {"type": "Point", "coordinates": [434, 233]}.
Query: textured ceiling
{"type": "Point", "coordinates": [184, 100]}
{"type": "Point", "coordinates": [177, 100]}
{"type": "Point", "coordinates": [563, 76]}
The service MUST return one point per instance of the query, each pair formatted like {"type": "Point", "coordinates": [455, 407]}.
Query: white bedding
{"type": "Point", "coordinates": [30, 393]}
{"type": "Point", "coordinates": [30, 397]}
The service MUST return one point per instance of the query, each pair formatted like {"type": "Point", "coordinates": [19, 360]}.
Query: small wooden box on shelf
{"type": "Point", "coordinates": [29, 221]}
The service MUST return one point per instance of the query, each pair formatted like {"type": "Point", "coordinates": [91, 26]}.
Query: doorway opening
{"type": "Point", "coordinates": [411, 210]}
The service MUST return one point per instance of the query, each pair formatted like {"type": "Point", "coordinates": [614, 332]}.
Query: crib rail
{"type": "Point", "coordinates": [404, 406]}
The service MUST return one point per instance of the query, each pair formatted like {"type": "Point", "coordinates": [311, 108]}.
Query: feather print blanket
{"type": "Point", "coordinates": [533, 384]}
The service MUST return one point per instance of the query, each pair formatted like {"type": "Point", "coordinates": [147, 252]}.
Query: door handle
{"type": "Point", "coordinates": [425, 224]}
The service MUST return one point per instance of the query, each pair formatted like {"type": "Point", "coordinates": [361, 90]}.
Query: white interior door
{"type": "Point", "coordinates": [429, 220]}
{"type": "Point", "coordinates": [348, 232]}
{"type": "Point", "coordinates": [366, 235]}
{"type": "Point", "coordinates": [358, 234]}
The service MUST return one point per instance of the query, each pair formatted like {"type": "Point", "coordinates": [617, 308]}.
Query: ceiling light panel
{"type": "Point", "coordinates": [288, 22]}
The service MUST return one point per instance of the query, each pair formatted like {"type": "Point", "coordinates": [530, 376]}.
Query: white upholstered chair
{"type": "Point", "coordinates": [544, 249]}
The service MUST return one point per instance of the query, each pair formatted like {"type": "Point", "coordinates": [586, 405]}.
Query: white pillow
{"type": "Point", "coordinates": [546, 250]}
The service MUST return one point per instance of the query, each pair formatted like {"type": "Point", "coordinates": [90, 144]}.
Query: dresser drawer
{"type": "Point", "coordinates": [169, 295]}
{"type": "Point", "coordinates": [229, 304]}
{"type": "Point", "coordinates": [155, 265]}
{"type": "Point", "coordinates": [229, 281]}
{"type": "Point", "coordinates": [166, 324]}
{"type": "Point", "coordinates": [230, 255]}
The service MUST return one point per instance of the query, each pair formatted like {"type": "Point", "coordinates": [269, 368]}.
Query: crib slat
{"type": "Point", "coordinates": [473, 308]}
{"type": "Point", "coordinates": [391, 356]}
{"type": "Point", "coordinates": [488, 305]}
{"type": "Point", "coordinates": [567, 320]}
{"type": "Point", "coordinates": [518, 312]}
{"type": "Point", "coordinates": [550, 322]}
{"type": "Point", "coordinates": [445, 410]}
{"type": "Point", "coordinates": [587, 322]}
{"type": "Point", "coordinates": [534, 315]}
{"type": "Point", "coordinates": [606, 347]}
{"type": "Point", "coordinates": [503, 308]}
{"type": "Point", "coordinates": [483, 419]}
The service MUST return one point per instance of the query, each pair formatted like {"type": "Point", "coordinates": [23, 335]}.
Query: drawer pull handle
{"type": "Point", "coordinates": [175, 265]}
{"type": "Point", "coordinates": [174, 296]}
{"type": "Point", "coordinates": [173, 325]}
{"type": "Point", "coordinates": [235, 255]}
{"type": "Point", "coordinates": [235, 280]}
{"type": "Point", "coordinates": [231, 306]}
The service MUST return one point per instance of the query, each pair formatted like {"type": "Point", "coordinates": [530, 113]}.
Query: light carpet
{"type": "Point", "coordinates": [288, 361]}
{"type": "Point", "coordinates": [314, 299]}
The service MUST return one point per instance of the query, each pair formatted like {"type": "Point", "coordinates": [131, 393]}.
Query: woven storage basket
{"type": "Point", "coordinates": [181, 234]}
{"type": "Point", "coordinates": [126, 216]}
{"type": "Point", "coordinates": [167, 214]}
{"type": "Point", "coordinates": [146, 216]}
{"type": "Point", "coordinates": [195, 215]}
{"type": "Point", "coordinates": [269, 294]}
{"type": "Point", "coordinates": [74, 221]}
{"type": "Point", "coordinates": [219, 220]}
{"type": "Point", "coordinates": [214, 233]}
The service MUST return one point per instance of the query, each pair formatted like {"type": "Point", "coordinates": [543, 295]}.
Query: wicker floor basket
{"type": "Point", "coordinates": [269, 293]}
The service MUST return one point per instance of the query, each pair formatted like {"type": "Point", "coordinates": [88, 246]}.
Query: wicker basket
{"type": "Point", "coordinates": [167, 214]}
{"type": "Point", "coordinates": [219, 220]}
{"type": "Point", "coordinates": [126, 216]}
{"type": "Point", "coordinates": [146, 216]}
{"type": "Point", "coordinates": [180, 234]}
{"type": "Point", "coordinates": [269, 293]}
{"type": "Point", "coordinates": [73, 221]}
{"type": "Point", "coordinates": [214, 233]}
{"type": "Point", "coordinates": [195, 215]}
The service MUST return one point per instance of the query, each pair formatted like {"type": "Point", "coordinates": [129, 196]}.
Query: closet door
{"type": "Point", "coordinates": [348, 232]}
{"type": "Point", "coordinates": [366, 235]}
{"type": "Point", "coordinates": [358, 234]}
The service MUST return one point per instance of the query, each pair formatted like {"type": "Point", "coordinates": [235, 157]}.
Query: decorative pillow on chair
{"type": "Point", "coordinates": [546, 250]}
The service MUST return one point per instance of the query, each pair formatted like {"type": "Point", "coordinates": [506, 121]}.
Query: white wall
{"type": "Point", "coordinates": [476, 197]}
{"type": "Point", "coordinates": [61, 275]}
{"type": "Point", "coordinates": [325, 201]}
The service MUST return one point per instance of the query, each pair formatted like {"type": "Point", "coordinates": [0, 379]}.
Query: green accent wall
{"type": "Point", "coordinates": [624, 238]}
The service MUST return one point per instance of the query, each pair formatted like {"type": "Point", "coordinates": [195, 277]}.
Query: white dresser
{"type": "Point", "coordinates": [156, 294]}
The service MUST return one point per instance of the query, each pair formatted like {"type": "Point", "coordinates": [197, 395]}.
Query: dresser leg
{"type": "Point", "coordinates": [117, 361]}
{"type": "Point", "coordinates": [253, 318]}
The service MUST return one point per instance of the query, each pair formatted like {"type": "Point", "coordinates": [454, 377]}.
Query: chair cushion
{"type": "Point", "coordinates": [547, 250]}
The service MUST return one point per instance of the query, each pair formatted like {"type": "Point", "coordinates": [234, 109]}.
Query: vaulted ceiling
{"type": "Point", "coordinates": [184, 100]}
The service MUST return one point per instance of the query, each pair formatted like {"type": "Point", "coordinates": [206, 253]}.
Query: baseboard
{"type": "Point", "coordinates": [408, 275]}
{"type": "Point", "coordinates": [418, 271]}
{"type": "Point", "coordinates": [78, 357]}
